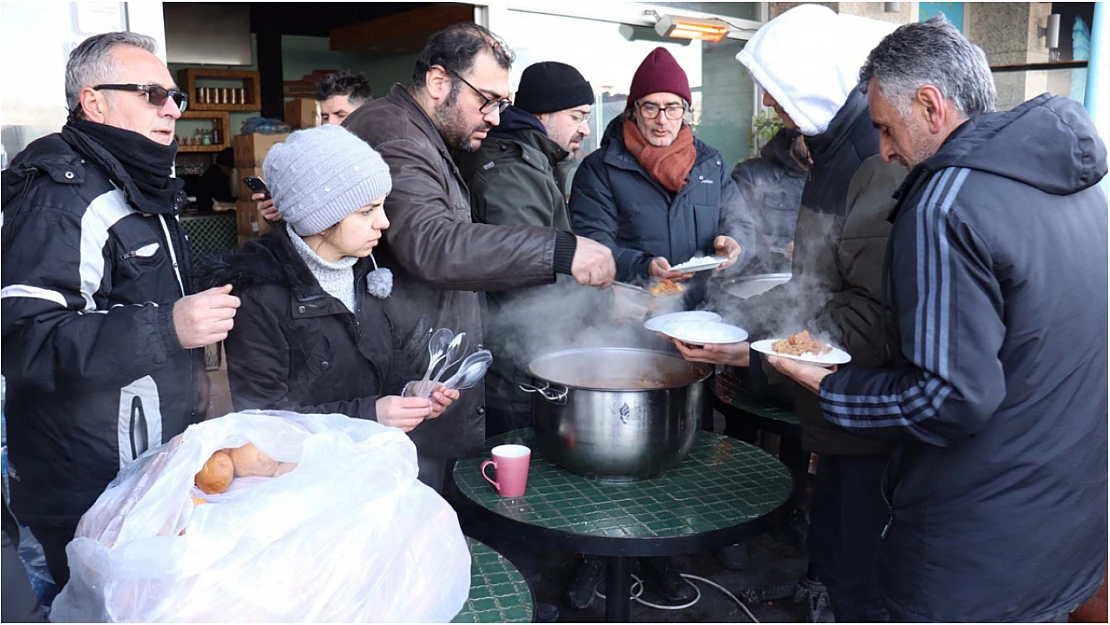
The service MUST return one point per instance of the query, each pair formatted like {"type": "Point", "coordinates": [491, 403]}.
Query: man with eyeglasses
{"type": "Point", "coordinates": [101, 330]}
{"type": "Point", "coordinates": [442, 260]}
{"type": "Point", "coordinates": [656, 195]}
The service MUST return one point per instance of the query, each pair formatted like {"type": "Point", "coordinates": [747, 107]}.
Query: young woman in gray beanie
{"type": "Point", "coordinates": [312, 334]}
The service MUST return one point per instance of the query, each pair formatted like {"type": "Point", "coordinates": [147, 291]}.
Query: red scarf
{"type": "Point", "coordinates": [669, 166]}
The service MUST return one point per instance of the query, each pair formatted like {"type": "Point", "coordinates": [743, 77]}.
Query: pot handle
{"type": "Point", "coordinates": [549, 393]}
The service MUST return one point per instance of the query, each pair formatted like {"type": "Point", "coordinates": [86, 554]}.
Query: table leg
{"type": "Point", "coordinates": [791, 454]}
{"type": "Point", "coordinates": [618, 590]}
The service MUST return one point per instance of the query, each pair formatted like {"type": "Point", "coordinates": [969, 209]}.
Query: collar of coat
{"type": "Point", "coordinates": [536, 148]}
{"type": "Point", "coordinates": [617, 154]}
{"type": "Point", "coordinates": [400, 96]}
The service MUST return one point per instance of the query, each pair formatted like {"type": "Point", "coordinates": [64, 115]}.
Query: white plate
{"type": "Point", "coordinates": [836, 357]}
{"type": "Point", "coordinates": [655, 324]}
{"type": "Point", "coordinates": [704, 332]}
{"type": "Point", "coordinates": [700, 263]}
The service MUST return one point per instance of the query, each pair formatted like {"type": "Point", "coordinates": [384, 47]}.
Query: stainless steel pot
{"type": "Point", "coordinates": [617, 413]}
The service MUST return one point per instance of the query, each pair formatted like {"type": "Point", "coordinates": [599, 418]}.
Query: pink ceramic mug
{"type": "Point", "coordinates": [510, 462]}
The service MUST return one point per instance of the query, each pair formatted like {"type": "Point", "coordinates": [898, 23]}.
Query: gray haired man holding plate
{"type": "Point", "coordinates": [997, 487]}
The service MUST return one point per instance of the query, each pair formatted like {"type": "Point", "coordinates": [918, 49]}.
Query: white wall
{"type": "Point", "coordinates": [35, 41]}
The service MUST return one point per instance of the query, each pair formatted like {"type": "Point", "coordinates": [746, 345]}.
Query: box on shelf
{"type": "Point", "coordinates": [249, 222]}
{"type": "Point", "coordinates": [250, 150]}
{"type": "Point", "coordinates": [302, 113]}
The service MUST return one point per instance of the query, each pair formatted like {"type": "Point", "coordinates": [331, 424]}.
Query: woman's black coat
{"type": "Point", "coordinates": [294, 347]}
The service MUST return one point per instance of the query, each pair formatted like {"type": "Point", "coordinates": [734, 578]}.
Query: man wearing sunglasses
{"type": "Point", "coordinates": [443, 262]}
{"type": "Point", "coordinates": [656, 195]}
{"type": "Point", "coordinates": [101, 330]}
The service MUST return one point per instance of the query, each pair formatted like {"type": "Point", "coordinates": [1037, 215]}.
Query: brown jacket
{"type": "Point", "coordinates": [441, 260]}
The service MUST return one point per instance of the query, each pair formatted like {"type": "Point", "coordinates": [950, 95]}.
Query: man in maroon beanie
{"type": "Point", "coordinates": [657, 196]}
{"type": "Point", "coordinates": [671, 195]}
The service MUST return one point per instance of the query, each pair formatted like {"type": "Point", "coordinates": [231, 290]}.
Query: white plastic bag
{"type": "Point", "coordinates": [349, 535]}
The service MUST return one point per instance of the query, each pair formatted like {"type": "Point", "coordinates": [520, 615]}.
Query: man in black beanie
{"type": "Point", "coordinates": [519, 177]}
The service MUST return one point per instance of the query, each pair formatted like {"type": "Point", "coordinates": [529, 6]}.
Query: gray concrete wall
{"type": "Point", "coordinates": [1008, 32]}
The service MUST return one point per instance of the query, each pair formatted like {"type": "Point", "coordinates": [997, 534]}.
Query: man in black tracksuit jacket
{"type": "Point", "coordinates": [998, 267]}
{"type": "Point", "coordinates": [99, 330]}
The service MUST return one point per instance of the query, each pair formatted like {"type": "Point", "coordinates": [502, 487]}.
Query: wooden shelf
{"type": "Point", "coordinates": [188, 77]}
{"type": "Point", "coordinates": [184, 149]}
{"type": "Point", "coordinates": [221, 121]}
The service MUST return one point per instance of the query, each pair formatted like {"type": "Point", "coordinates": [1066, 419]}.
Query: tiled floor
{"type": "Point", "coordinates": [773, 561]}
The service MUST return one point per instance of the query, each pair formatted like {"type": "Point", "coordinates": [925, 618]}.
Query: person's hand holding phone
{"type": "Point", "coordinates": [261, 197]}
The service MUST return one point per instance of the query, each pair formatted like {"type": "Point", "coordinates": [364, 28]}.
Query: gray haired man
{"type": "Point", "coordinates": [997, 488]}
{"type": "Point", "coordinates": [101, 330]}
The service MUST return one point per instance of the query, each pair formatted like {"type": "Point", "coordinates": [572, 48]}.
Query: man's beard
{"type": "Point", "coordinates": [921, 146]}
{"type": "Point", "coordinates": [449, 120]}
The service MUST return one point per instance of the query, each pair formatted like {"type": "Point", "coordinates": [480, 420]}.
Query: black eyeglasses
{"type": "Point", "coordinates": [488, 104]}
{"type": "Point", "coordinates": [155, 94]}
{"type": "Point", "coordinates": [649, 110]}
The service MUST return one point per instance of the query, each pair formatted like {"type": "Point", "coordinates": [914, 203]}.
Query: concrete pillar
{"type": "Point", "coordinates": [907, 11]}
{"type": "Point", "coordinates": [1009, 33]}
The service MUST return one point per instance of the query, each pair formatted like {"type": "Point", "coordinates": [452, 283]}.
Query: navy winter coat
{"type": "Point", "coordinates": [999, 272]}
{"type": "Point", "coordinates": [615, 202]}
{"type": "Point", "coordinates": [295, 347]}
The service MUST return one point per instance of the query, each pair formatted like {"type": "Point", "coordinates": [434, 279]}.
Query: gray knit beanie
{"type": "Point", "coordinates": [319, 176]}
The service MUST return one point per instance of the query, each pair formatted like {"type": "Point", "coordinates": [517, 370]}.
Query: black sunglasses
{"type": "Point", "coordinates": [156, 95]}
{"type": "Point", "coordinates": [488, 103]}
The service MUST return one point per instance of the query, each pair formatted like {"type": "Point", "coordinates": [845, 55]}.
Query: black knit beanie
{"type": "Point", "coordinates": [551, 86]}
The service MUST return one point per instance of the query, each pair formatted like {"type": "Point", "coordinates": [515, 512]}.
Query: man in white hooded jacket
{"type": "Point", "coordinates": [807, 62]}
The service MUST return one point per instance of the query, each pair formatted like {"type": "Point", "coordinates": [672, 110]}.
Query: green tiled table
{"type": "Point", "coordinates": [498, 592]}
{"type": "Point", "coordinates": [733, 399]}
{"type": "Point", "coordinates": [724, 491]}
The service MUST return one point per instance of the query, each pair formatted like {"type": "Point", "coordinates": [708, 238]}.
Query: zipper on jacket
{"type": "Point", "coordinates": [173, 254]}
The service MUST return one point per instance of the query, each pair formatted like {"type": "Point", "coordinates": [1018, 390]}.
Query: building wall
{"type": "Point", "coordinates": [300, 55]}
{"type": "Point", "coordinates": [1008, 32]}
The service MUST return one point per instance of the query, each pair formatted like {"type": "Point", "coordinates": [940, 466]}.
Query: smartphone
{"type": "Point", "coordinates": [257, 185]}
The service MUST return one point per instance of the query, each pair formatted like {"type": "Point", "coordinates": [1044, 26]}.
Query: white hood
{"type": "Point", "coordinates": [809, 59]}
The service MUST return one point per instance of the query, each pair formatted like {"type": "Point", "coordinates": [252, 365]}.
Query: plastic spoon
{"type": "Point", "coordinates": [437, 350]}
{"type": "Point", "coordinates": [455, 351]}
{"type": "Point", "coordinates": [471, 370]}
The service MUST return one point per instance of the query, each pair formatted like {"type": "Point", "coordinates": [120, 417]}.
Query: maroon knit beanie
{"type": "Point", "coordinates": [659, 72]}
